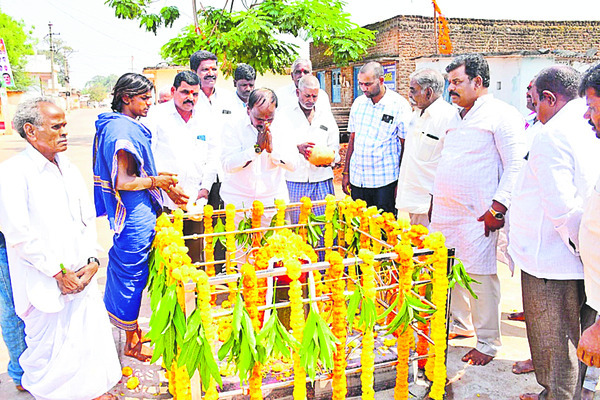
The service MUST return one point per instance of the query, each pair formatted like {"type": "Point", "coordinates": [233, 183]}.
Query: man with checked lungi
{"type": "Point", "coordinates": [312, 126]}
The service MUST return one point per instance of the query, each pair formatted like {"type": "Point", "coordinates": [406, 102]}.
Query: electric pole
{"type": "Point", "coordinates": [50, 35]}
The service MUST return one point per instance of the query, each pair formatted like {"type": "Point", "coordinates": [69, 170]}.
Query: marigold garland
{"type": "Point", "coordinates": [422, 344]}
{"type": "Point", "coordinates": [231, 249]}
{"type": "Point", "coordinates": [203, 303]}
{"type": "Point", "coordinates": [439, 262]}
{"type": "Point", "coordinates": [297, 323]}
{"type": "Point", "coordinates": [391, 228]}
{"type": "Point", "coordinates": [250, 300]}
{"type": "Point", "coordinates": [329, 211]}
{"type": "Point", "coordinates": [349, 211]}
{"type": "Point", "coordinates": [404, 260]}
{"type": "Point", "coordinates": [258, 210]}
{"type": "Point", "coordinates": [338, 326]}
{"type": "Point", "coordinates": [305, 209]}
{"type": "Point", "coordinates": [364, 214]}
{"type": "Point", "coordinates": [280, 220]}
{"type": "Point", "coordinates": [209, 249]}
{"type": "Point", "coordinates": [341, 234]}
{"type": "Point", "coordinates": [367, 357]}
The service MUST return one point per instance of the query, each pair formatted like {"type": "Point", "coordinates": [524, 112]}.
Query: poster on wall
{"type": "Point", "coordinates": [5, 70]}
{"type": "Point", "coordinates": [389, 75]}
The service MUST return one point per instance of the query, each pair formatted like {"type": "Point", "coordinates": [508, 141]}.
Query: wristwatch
{"type": "Point", "coordinates": [496, 214]}
{"type": "Point", "coordinates": [257, 149]}
{"type": "Point", "coordinates": [93, 259]}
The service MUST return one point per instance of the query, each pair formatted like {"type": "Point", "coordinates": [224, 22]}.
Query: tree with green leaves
{"type": "Point", "coordinates": [18, 41]}
{"type": "Point", "coordinates": [253, 35]}
{"type": "Point", "coordinates": [99, 87]}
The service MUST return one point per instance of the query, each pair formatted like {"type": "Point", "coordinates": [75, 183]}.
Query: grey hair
{"type": "Point", "coordinates": [372, 66]}
{"type": "Point", "coordinates": [429, 78]}
{"type": "Point", "coordinates": [301, 61]}
{"type": "Point", "coordinates": [28, 112]}
{"type": "Point", "coordinates": [308, 82]}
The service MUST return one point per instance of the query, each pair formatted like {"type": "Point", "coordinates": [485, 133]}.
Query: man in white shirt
{"type": "Point", "coordinates": [312, 126]}
{"type": "Point", "coordinates": [49, 224]}
{"type": "Point", "coordinates": [214, 109]}
{"type": "Point", "coordinates": [588, 349]}
{"type": "Point", "coordinates": [482, 155]}
{"type": "Point", "coordinates": [179, 147]}
{"type": "Point", "coordinates": [377, 125]}
{"type": "Point", "coordinates": [423, 144]}
{"type": "Point", "coordinates": [287, 95]}
{"type": "Point", "coordinates": [244, 78]}
{"type": "Point", "coordinates": [543, 239]}
{"type": "Point", "coordinates": [257, 151]}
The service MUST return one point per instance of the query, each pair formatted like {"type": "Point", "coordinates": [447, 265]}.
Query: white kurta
{"type": "Point", "coordinates": [550, 194]}
{"type": "Point", "coordinates": [589, 240]}
{"type": "Point", "coordinates": [250, 176]}
{"type": "Point", "coordinates": [322, 131]}
{"type": "Point", "coordinates": [47, 219]}
{"type": "Point", "coordinates": [422, 149]}
{"type": "Point", "coordinates": [482, 155]}
{"type": "Point", "coordinates": [179, 147]}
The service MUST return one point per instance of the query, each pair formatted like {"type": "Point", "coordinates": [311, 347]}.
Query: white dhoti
{"type": "Point", "coordinates": [71, 354]}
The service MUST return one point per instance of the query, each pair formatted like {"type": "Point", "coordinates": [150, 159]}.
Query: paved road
{"type": "Point", "coordinates": [494, 381]}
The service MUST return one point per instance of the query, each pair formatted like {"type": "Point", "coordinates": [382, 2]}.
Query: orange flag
{"type": "Point", "coordinates": [443, 31]}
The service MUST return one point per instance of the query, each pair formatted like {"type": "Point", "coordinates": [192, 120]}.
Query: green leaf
{"type": "Point", "coordinates": [355, 299]}
{"type": "Point", "coordinates": [388, 310]}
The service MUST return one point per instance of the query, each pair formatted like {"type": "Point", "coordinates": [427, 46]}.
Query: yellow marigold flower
{"type": "Point", "coordinates": [133, 382]}
{"type": "Point", "coordinates": [127, 371]}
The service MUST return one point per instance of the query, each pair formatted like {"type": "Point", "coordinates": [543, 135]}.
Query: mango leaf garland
{"type": "Point", "coordinates": [197, 352]}
{"type": "Point", "coordinates": [459, 275]}
{"type": "Point", "coordinates": [275, 338]}
{"type": "Point", "coordinates": [241, 347]}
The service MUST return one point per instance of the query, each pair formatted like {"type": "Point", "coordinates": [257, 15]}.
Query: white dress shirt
{"type": "Point", "coordinates": [287, 98]}
{"type": "Point", "coordinates": [378, 128]}
{"type": "Point", "coordinates": [179, 147]}
{"type": "Point", "coordinates": [213, 114]}
{"type": "Point", "coordinates": [482, 155]}
{"type": "Point", "coordinates": [589, 238]}
{"type": "Point", "coordinates": [422, 148]}
{"type": "Point", "coordinates": [47, 219]}
{"type": "Point", "coordinates": [550, 193]}
{"type": "Point", "coordinates": [250, 176]}
{"type": "Point", "coordinates": [323, 131]}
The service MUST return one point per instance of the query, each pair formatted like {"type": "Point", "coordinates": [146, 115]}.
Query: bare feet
{"type": "Point", "coordinates": [453, 335]}
{"type": "Point", "coordinates": [523, 367]}
{"type": "Point", "coordinates": [20, 388]}
{"type": "Point", "coordinates": [529, 396]}
{"type": "Point", "coordinates": [475, 357]}
{"type": "Point", "coordinates": [134, 347]}
{"type": "Point", "coordinates": [517, 316]}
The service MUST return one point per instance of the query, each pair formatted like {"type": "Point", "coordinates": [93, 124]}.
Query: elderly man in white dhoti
{"type": "Point", "coordinates": [49, 224]}
{"type": "Point", "coordinates": [483, 153]}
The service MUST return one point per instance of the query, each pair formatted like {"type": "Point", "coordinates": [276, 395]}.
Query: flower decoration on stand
{"type": "Point", "coordinates": [339, 325]}
{"type": "Point", "coordinates": [231, 249]}
{"type": "Point", "coordinates": [439, 262]}
{"type": "Point", "coordinates": [367, 356]}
